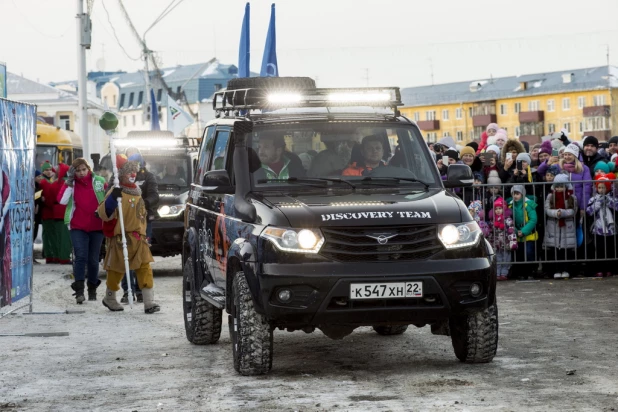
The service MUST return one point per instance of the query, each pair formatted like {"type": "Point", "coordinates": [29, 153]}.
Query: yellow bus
{"type": "Point", "coordinates": [56, 145]}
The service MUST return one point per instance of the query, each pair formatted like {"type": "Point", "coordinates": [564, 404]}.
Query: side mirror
{"type": "Point", "coordinates": [217, 181]}
{"type": "Point", "coordinates": [458, 175]}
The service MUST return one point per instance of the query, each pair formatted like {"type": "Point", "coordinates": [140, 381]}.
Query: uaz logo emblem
{"type": "Point", "coordinates": [382, 239]}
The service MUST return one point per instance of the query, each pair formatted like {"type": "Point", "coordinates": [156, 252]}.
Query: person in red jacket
{"type": "Point", "coordinates": [56, 239]}
{"type": "Point", "coordinates": [372, 151]}
{"type": "Point", "coordinates": [81, 193]}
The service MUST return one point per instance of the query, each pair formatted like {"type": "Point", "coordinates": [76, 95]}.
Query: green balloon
{"type": "Point", "coordinates": [108, 121]}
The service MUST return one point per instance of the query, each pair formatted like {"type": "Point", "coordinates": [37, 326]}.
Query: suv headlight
{"type": "Point", "coordinates": [171, 211]}
{"type": "Point", "coordinates": [294, 240]}
{"type": "Point", "coordinates": [460, 235]}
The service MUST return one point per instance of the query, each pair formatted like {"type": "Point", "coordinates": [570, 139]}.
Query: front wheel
{"type": "Point", "coordinates": [390, 330]}
{"type": "Point", "coordinates": [475, 335]}
{"type": "Point", "coordinates": [251, 335]}
{"type": "Point", "coordinates": [202, 319]}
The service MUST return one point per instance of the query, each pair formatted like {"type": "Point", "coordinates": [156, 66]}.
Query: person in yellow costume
{"type": "Point", "coordinates": [135, 221]}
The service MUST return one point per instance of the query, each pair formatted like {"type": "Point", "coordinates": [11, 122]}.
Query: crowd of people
{"type": "Point", "coordinates": [549, 209]}
{"type": "Point", "coordinates": [78, 210]}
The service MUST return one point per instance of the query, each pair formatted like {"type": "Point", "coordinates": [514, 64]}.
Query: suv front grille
{"type": "Point", "coordinates": [354, 244]}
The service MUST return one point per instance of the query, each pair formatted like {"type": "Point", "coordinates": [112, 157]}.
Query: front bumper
{"type": "Point", "coordinates": [321, 292]}
{"type": "Point", "coordinates": [167, 237]}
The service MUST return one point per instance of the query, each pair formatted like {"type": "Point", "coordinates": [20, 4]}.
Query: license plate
{"type": "Point", "coordinates": [395, 290]}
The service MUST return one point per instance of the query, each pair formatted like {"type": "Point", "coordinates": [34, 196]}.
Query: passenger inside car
{"type": "Point", "coordinates": [173, 175]}
{"type": "Point", "coordinates": [373, 152]}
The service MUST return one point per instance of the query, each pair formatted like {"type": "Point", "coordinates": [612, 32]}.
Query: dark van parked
{"type": "Point", "coordinates": [322, 208]}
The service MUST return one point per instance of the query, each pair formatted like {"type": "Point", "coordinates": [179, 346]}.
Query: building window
{"type": "Point", "coordinates": [218, 86]}
{"type": "Point", "coordinates": [598, 100]}
{"type": "Point", "coordinates": [124, 120]}
{"type": "Point", "coordinates": [131, 96]}
{"type": "Point", "coordinates": [430, 115]}
{"type": "Point", "coordinates": [105, 101]}
{"type": "Point", "coordinates": [581, 102]}
{"type": "Point", "coordinates": [178, 91]}
{"type": "Point", "coordinates": [551, 128]}
{"type": "Point", "coordinates": [65, 122]}
{"type": "Point", "coordinates": [551, 105]}
{"type": "Point", "coordinates": [133, 118]}
{"type": "Point", "coordinates": [114, 100]}
{"type": "Point", "coordinates": [159, 94]}
{"type": "Point", "coordinates": [471, 134]}
{"type": "Point", "coordinates": [533, 105]}
{"type": "Point", "coordinates": [469, 112]}
{"type": "Point", "coordinates": [417, 116]}
{"type": "Point", "coordinates": [459, 136]}
{"type": "Point", "coordinates": [444, 114]}
{"type": "Point", "coordinates": [596, 123]}
{"type": "Point", "coordinates": [140, 97]}
{"type": "Point", "coordinates": [581, 127]}
{"type": "Point", "coordinates": [517, 131]}
{"type": "Point", "coordinates": [445, 134]}
{"type": "Point", "coordinates": [431, 137]}
{"type": "Point", "coordinates": [503, 109]}
{"type": "Point", "coordinates": [458, 113]}
{"type": "Point", "coordinates": [122, 100]}
{"type": "Point", "coordinates": [517, 107]}
{"type": "Point", "coordinates": [567, 127]}
{"type": "Point", "coordinates": [566, 103]}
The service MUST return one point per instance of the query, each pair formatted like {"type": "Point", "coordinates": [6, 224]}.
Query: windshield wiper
{"type": "Point", "coordinates": [308, 180]}
{"type": "Point", "coordinates": [398, 179]}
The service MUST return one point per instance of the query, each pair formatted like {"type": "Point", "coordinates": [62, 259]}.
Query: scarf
{"type": "Point", "coordinates": [131, 189]}
{"type": "Point", "coordinates": [560, 202]}
{"type": "Point", "coordinates": [570, 167]}
{"type": "Point", "coordinates": [499, 221]}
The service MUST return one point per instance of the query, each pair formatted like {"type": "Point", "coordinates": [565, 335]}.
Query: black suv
{"type": "Point", "coordinates": [173, 161]}
{"type": "Point", "coordinates": [322, 208]}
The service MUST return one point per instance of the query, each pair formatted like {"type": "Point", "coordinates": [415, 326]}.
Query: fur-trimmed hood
{"type": "Point", "coordinates": [511, 144]}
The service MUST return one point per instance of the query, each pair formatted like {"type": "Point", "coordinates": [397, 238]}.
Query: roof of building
{"type": "Point", "coordinates": [593, 78]}
{"type": "Point", "coordinates": [16, 84]}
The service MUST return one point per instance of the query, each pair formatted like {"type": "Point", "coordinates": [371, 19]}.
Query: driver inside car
{"type": "Point", "coordinates": [373, 152]}
{"type": "Point", "coordinates": [276, 162]}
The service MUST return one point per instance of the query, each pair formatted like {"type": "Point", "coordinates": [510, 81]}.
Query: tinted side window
{"type": "Point", "coordinates": [205, 151]}
{"type": "Point", "coordinates": [220, 150]}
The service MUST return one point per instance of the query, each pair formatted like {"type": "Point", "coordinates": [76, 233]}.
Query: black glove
{"type": "Point", "coordinates": [565, 140]}
{"type": "Point", "coordinates": [70, 176]}
{"type": "Point", "coordinates": [117, 192]}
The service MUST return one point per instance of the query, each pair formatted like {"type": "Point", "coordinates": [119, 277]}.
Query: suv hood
{"type": "Point", "coordinates": [369, 209]}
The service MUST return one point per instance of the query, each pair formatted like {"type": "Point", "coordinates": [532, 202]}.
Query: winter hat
{"type": "Point", "coordinates": [492, 126]}
{"type": "Point", "coordinates": [473, 145]}
{"type": "Point", "coordinates": [46, 166]}
{"type": "Point", "coordinates": [37, 173]}
{"type": "Point", "coordinates": [561, 179]}
{"type": "Point", "coordinates": [536, 146]}
{"type": "Point", "coordinates": [452, 153]}
{"type": "Point", "coordinates": [591, 140]}
{"type": "Point", "coordinates": [125, 166]}
{"type": "Point", "coordinates": [137, 157]}
{"type": "Point", "coordinates": [545, 147]}
{"type": "Point", "coordinates": [526, 146]}
{"type": "Point", "coordinates": [467, 150]}
{"type": "Point", "coordinates": [554, 170]}
{"type": "Point", "coordinates": [613, 139]}
{"type": "Point", "coordinates": [524, 157]}
{"type": "Point", "coordinates": [602, 166]}
{"type": "Point", "coordinates": [479, 176]}
{"type": "Point", "coordinates": [519, 189]}
{"type": "Point", "coordinates": [573, 149]}
{"type": "Point", "coordinates": [604, 179]}
{"type": "Point", "coordinates": [499, 202]}
{"type": "Point", "coordinates": [493, 148]}
{"type": "Point", "coordinates": [493, 178]}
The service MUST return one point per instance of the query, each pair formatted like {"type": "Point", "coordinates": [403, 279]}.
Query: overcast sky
{"type": "Point", "coordinates": [339, 42]}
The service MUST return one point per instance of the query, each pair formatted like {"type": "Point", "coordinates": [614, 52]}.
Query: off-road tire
{"type": "Point", "coordinates": [390, 330]}
{"type": "Point", "coordinates": [475, 335]}
{"type": "Point", "coordinates": [202, 319]}
{"type": "Point", "coordinates": [272, 83]}
{"type": "Point", "coordinates": [251, 335]}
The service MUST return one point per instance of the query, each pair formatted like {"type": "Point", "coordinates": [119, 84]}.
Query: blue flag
{"type": "Point", "coordinates": [269, 60]}
{"type": "Point", "coordinates": [154, 112]}
{"type": "Point", "coordinates": [244, 50]}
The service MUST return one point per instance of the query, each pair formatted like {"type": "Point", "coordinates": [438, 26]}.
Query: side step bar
{"type": "Point", "coordinates": [213, 295]}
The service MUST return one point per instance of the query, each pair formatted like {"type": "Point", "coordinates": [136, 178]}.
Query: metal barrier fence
{"type": "Point", "coordinates": [575, 235]}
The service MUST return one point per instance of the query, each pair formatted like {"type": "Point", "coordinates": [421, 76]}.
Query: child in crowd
{"type": "Point", "coordinates": [601, 207]}
{"type": "Point", "coordinates": [493, 192]}
{"type": "Point", "coordinates": [476, 211]}
{"type": "Point", "coordinates": [502, 236]}
{"type": "Point", "coordinates": [524, 219]}
{"type": "Point", "coordinates": [560, 230]}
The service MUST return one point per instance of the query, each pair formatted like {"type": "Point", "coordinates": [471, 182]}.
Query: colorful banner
{"type": "Point", "coordinates": [3, 91]}
{"type": "Point", "coordinates": [17, 149]}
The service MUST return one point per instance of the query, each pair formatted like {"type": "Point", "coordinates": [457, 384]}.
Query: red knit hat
{"type": "Point", "coordinates": [499, 202]}
{"type": "Point", "coordinates": [604, 179]}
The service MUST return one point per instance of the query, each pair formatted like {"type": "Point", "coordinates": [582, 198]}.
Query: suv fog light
{"type": "Point", "coordinates": [476, 289]}
{"type": "Point", "coordinates": [284, 295]}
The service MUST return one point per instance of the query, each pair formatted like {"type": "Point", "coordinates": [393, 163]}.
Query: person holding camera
{"type": "Point", "coordinates": [81, 193]}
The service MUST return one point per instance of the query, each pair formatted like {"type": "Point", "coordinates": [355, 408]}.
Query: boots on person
{"type": "Point", "coordinates": [149, 304]}
{"type": "Point", "coordinates": [92, 290]}
{"type": "Point", "coordinates": [110, 302]}
{"type": "Point", "coordinates": [78, 287]}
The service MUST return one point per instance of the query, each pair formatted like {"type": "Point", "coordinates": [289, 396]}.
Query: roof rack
{"type": "Point", "coordinates": [226, 101]}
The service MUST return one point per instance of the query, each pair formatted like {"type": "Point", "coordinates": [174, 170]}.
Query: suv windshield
{"type": "Point", "coordinates": [363, 154]}
{"type": "Point", "coordinates": [172, 171]}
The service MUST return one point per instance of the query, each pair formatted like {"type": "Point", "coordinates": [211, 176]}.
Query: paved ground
{"type": "Point", "coordinates": [557, 352]}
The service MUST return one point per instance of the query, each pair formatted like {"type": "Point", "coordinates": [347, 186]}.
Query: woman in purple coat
{"type": "Point", "coordinates": [577, 171]}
